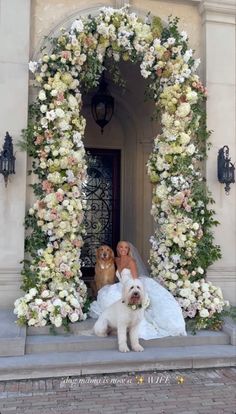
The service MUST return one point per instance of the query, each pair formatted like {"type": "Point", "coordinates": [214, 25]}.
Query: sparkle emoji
{"type": "Point", "coordinates": [180, 379]}
{"type": "Point", "coordinates": [139, 379]}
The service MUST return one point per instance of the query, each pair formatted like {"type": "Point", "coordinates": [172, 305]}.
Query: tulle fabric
{"type": "Point", "coordinates": [162, 318]}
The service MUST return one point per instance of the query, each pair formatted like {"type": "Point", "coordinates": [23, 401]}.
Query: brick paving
{"type": "Point", "coordinates": [205, 391]}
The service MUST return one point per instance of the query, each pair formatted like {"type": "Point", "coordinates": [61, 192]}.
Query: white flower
{"type": "Point", "coordinates": [184, 35]}
{"type": "Point", "coordinates": [33, 291]}
{"type": "Point", "coordinates": [171, 41]}
{"type": "Point", "coordinates": [190, 149]}
{"type": "Point", "coordinates": [175, 258]}
{"type": "Point", "coordinates": [51, 115]}
{"type": "Point", "coordinates": [73, 317]}
{"type": "Point", "coordinates": [206, 295]}
{"type": "Point", "coordinates": [64, 126]}
{"type": "Point", "coordinates": [184, 138]}
{"type": "Point", "coordinates": [204, 313]}
{"type": "Point", "coordinates": [77, 26]}
{"type": "Point", "coordinates": [42, 95]}
{"type": "Point", "coordinates": [192, 97]}
{"type": "Point", "coordinates": [186, 303]}
{"type": "Point", "coordinates": [44, 122]}
{"type": "Point", "coordinates": [58, 321]}
{"type": "Point", "coordinates": [200, 270]}
{"type": "Point", "coordinates": [32, 322]}
{"type": "Point", "coordinates": [186, 292]}
{"type": "Point", "coordinates": [183, 110]}
{"type": "Point", "coordinates": [195, 226]}
{"type": "Point", "coordinates": [70, 176]}
{"type": "Point", "coordinates": [205, 287]}
{"type": "Point", "coordinates": [188, 54]}
{"type": "Point", "coordinates": [63, 294]}
{"type": "Point", "coordinates": [43, 108]}
{"type": "Point", "coordinates": [53, 92]}
{"type": "Point", "coordinates": [74, 302]}
{"type": "Point", "coordinates": [77, 139]}
{"type": "Point", "coordinates": [59, 113]}
{"type": "Point", "coordinates": [196, 64]}
{"type": "Point", "coordinates": [145, 73]}
{"type": "Point", "coordinates": [38, 301]}
{"type": "Point", "coordinates": [33, 66]}
{"type": "Point", "coordinates": [45, 293]}
{"type": "Point", "coordinates": [44, 68]}
{"type": "Point", "coordinates": [43, 322]}
{"type": "Point", "coordinates": [72, 101]}
{"type": "Point", "coordinates": [57, 302]}
{"type": "Point", "coordinates": [64, 267]}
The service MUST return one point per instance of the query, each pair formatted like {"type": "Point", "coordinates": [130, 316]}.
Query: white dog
{"type": "Point", "coordinates": [124, 315]}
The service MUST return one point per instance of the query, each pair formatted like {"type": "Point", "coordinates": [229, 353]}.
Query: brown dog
{"type": "Point", "coordinates": [105, 267]}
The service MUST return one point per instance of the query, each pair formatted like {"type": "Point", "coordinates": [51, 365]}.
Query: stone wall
{"type": "Point", "coordinates": [211, 28]}
{"type": "Point", "coordinates": [14, 57]}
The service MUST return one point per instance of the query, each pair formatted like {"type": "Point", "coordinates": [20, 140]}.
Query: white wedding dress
{"type": "Point", "coordinates": [163, 317]}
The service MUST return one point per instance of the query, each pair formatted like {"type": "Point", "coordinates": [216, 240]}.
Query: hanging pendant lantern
{"type": "Point", "coordinates": [102, 105]}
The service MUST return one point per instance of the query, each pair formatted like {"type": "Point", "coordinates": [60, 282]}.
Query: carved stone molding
{"type": "Point", "coordinates": [221, 11]}
{"type": "Point", "coordinates": [224, 273]}
{"type": "Point", "coordinates": [10, 270]}
{"type": "Point", "coordinates": [121, 3]}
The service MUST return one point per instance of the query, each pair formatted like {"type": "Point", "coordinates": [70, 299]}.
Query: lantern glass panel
{"type": "Point", "coordinates": [101, 110]}
{"type": "Point", "coordinates": [231, 174]}
{"type": "Point", "coordinates": [5, 164]}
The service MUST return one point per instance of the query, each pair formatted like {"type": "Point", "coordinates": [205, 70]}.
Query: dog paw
{"type": "Point", "coordinates": [124, 348]}
{"type": "Point", "coordinates": [138, 348]}
{"type": "Point", "coordinates": [102, 334]}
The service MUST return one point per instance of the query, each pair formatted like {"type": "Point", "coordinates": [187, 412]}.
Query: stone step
{"type": "Point", "coordinates": [12, 337]}
{"type": "Point", "coordinates": [87, 341]}
{"type": "Point", "coordinates": [44, 365]}
{"type": "Point", "coordinates": [77, 328]}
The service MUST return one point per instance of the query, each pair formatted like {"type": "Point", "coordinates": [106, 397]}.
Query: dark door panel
{"type": "Point", "coordinates": [102, 219]}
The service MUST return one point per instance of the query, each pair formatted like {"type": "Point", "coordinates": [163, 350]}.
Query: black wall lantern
{"type": "Point", "coordinates": [7, 159]}
{"type": "Point", "coordinates": [225, 168]}
{"type": "Point", "coordinates": [102, 105]}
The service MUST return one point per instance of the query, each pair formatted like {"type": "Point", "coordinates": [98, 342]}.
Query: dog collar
{"type": "Point", "coordinates": [133, 307]}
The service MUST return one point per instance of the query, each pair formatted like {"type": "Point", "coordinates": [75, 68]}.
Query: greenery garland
{"type": "Point", "coordinates": [182, 247]}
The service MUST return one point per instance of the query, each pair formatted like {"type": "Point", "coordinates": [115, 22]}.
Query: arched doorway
{"type": "Point", "coordinates": [129, 134]}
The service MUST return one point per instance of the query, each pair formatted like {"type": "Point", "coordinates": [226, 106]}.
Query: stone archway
{"type": "Point", "coordinates": [131, 131]}
{"type": "Point", "coordinates": [54, 139]}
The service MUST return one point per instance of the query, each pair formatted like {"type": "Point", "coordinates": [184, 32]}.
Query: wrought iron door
{"type": "Point", "coordinates": [102, 219]}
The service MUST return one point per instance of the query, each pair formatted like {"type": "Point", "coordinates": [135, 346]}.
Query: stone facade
{"type": "Point", "coordinates": [211, 28]}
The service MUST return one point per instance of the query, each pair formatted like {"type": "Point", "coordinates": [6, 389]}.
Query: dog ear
{"type": "Point", "coordinates": [112, 254]}
{"type": "Point", "coordinates": [97, 253]}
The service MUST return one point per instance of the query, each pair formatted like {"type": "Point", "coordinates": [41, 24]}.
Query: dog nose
{"type": "Point", "coordinates": [136, 294]}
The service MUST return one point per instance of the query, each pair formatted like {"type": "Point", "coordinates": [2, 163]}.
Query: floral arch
{"type": "Point", "coordinates": [182, 246]}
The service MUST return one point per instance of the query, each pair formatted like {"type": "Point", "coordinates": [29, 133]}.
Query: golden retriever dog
{"type": "Point", "coordinates": [105, 267]}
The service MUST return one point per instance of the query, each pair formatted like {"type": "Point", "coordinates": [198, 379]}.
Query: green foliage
{"type": "Point", "coordinates": [201, 133]}
{"type": "Point", "coordinates": [171, 30]}
{"type": "Point", "coordinates": [87, 304]}
{"type": "Point", "coordinates": [157, 27]}
{"type": "Point", "coordinates": [91, 74]}
{"type": "Point", "coordinates": [215, 323]}
{"type": "Point", "coordinates": [230, 312]}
